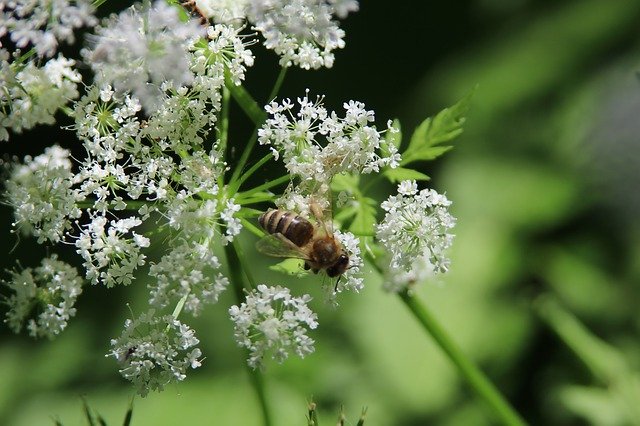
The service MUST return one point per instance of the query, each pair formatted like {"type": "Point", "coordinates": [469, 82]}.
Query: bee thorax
{"type": "Point", "coordinates": [325, 250]}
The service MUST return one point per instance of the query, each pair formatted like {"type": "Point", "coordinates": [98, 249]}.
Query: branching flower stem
{"type": "Point", "coordinates": [469, 371]}
{"type": "Point", "coordinates": [254, 112]}
{"type": "Point", "coordinates": [234, 255]}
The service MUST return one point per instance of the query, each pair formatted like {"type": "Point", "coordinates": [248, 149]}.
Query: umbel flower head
{"type": "Point", "coordinates": [317, 144]}
{"type": "Point", "coordinates": [44, 23]}
{"type": "Point", "coordinates": [303, 32]}
{"type": "Point", "coordinates": [42, 195]}
{"type": "Point", "coordinates": [43, 298]}
{"type": "Point", "coordinates": [31, 93]}
{"type": "Point", "coordinates": [271, 323]}
{"type": "Point", "coordinates": [155, 350]}
{"type": "Point", "coordinates": [415, 234]}
{"type": "Point", "coordinates": [142, 48]}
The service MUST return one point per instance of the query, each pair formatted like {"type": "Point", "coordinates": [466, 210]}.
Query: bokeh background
{"type": "Point", "coordinates": [544, 287]}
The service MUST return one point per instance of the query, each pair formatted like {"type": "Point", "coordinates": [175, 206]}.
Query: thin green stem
{"type": "Point", "coordinates": [278, 83]}
{"type": "Point", "coordinates": [222, 128]}
{"type": "Point", "coordinates": [236, 184]}
{"type": "Point", "coordinates": [236, 273]}
{"type": "Point", "coordinates": [266, 185]}
{"type": "Point", "coordinates": [472, 374]}
{"type": "Point", "coordinates": [254, 112]}
{"type": "Point", "coordinates": [469, 371]}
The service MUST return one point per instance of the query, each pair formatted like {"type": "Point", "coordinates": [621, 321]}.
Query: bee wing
{"type": "Point", "coordinates": [278, 245]}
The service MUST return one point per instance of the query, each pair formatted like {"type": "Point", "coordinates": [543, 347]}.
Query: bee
{"type": "Point", "coordinates": [192, 6]}
{"type": "Point", "coordinates": [291, 235]}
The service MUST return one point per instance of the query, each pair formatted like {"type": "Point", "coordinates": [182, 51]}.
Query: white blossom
{"type": "Point", "coordinates": [42, 195]}
{"type": "Point", "coordinates": [415, 234]}
{"type": "Point", "coordinates": [317, 144]}
{"type": "Point", "coordinates": [141, 48]}
{"type": "Point", "coordinates": [190, 269]}
{"type": "Point", "coordinates": [302, 32]}
{"type": "Point", "coordinates": [111, 251]}
{"type": "Point", "coordinates": [271, 323]}
{"type": "Point", "coordinates": [154, 351]}
{"type": "Point", "coordinates": [32, 94]}
{"type": "Point", "coordinates": [227, 50]}
{"type": "Point", "coordinates": [44, 23]}
{"type": "Point", "coordinates": [43, 298]}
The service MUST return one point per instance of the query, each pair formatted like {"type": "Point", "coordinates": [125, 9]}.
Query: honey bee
{"type": "Point", "coordinates": [291, 235]}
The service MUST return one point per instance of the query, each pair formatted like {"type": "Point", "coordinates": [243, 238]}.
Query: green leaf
{"type": "Point", "coordinates": [345, 182]}
{"type": "Point", "coordinates": [346, 213]}
{"type": "Point", "coordinates": [365, 218]}
{"type": "Point", "coordinates": [129, 415]}
{"type": "Point", "coordinates": [290, 267]}
{"type": "Point", "coordinates": [444, 127]}
{"type": "Point", "coordinates": [401, 173]}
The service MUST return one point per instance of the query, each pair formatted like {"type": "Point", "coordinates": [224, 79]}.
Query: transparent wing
{"type": "Point", "coordinates": [278, 245]}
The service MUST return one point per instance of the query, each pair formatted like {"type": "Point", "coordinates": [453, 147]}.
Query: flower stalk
{"type": "Point", "coordinates": [255, 376]}
{"type": "Point", "coordinates": [469, 371]}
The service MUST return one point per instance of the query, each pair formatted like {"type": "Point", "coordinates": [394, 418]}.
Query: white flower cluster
{"type": "Point", "coordinates": [302, 32]}
{"type": "Point", "coordinates": [317, 144]}
{"type": "Point", "coordinates": [43, 298]}
{"type": "Point", "coordinates": [141, 49]}
{"type": "Point", "coordinates": [154, 351]}
{"type": "Point", "coordinates": [415, 234]}
{"type": "Point", "coordinates": [40, 192]}
{"type": "Point", "coordinates": [272, 323]}
{"type": "Point", "coordinates": [187, 270]}
{"type": "Point", "coordinates": [110, 254]}
{"type": "Point", "coordinates": [32, 94]}
{"type": "Point", "coordinates": [44, 23]}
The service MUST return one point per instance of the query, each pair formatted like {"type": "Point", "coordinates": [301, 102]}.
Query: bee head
{"type": "Point", "coordinates": [340, 266]}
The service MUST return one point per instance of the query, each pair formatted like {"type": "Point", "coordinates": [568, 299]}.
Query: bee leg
{"type": "Point", "coordinates": [335, 289]}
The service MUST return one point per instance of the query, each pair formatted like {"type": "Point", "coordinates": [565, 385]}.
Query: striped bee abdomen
{"type": "Point", "coordinates": [296, 228]}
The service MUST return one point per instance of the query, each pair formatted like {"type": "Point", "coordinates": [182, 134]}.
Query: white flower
{"type": "Point", "coordinates": [317, 144]}
{"type": "Point", "coordinates": [111, 255]}
{"type": "Point", "coordinates": [154, 351]}
{"type": "Point", "coordinates": [302, 32]}
{"type": "Point", "coordinates": [141, 48]}
{"type": "Point", "coordinates": [189, 269]}
{"type": "Point", "coordinates": [225, 49]}
{"type": "Point", "coordinates": [32, 94]}
{"type": "Point", "coordinates": [44, 23]}
{"type": "Point", "coordinates": [271, 323]}
{"type": "Point", "coordinates": [223, 11]}
{"type": "Point", "coordinates": [352, 279]}
{"type": "Point", "coordinates": [43, 298]}
{"type": "Point", "coordinates": [415, 234]}
{"type": "Point", "coordinates": [41, 194]}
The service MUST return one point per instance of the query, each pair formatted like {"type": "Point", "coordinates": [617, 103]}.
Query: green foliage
{"type": "Point", "coordinates": [402, 173]}
{"type": "Point", "coordinates": [426, 141]}
{"type": "Point", "coordinates": [94, 418]}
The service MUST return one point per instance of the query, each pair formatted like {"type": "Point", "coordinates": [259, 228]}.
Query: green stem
{"type": "Point", "coordinates": [266, 185]}
{"type": "Point", "coordinates": [469, 371]}
{"type": "Point", "coordinates": [278, 83]}
{"type": "Point", "coordinates": [472, 374]}
{"type": "Point", "coordinates": [235, 273]}
{"type": "Point", "coordinates": [255, 113]}
{"type": "Point", "coordinates": [235, 185]}
{"type": "Point", "coordinates": [222, 128]}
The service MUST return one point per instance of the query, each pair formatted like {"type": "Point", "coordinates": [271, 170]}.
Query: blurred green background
{"type": "Point", "coordinates": [544, 287]}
